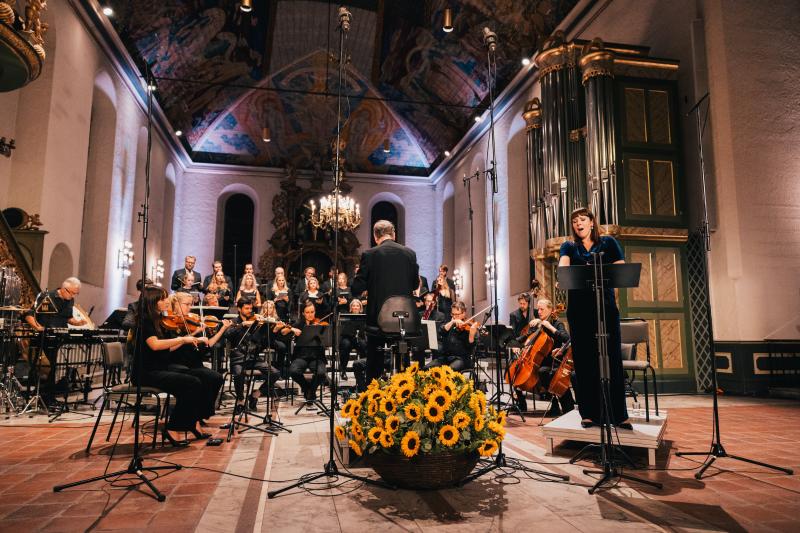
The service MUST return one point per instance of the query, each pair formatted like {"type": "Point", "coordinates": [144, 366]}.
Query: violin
{"type": "Point", "coordinates": [189, 323]}
{"type": "Point", "coordinates": [467, 325]}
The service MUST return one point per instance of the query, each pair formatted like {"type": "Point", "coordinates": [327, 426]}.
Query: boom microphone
{"type": "Point", "coordinates": [490, 39]}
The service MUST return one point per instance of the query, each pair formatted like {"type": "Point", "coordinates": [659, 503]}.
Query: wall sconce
{"type": "Point", "coordinates": [265, 134]}
{"type": "Point", "coordinates": [125, 258]}
{"type": "Point", "coordinates": [157, 272]}
{"type": "Point", "coordinates": [246, 6]}
{"type": "Point", "coordinates": [490, 269]}
{"type": "Point", "coordinates": [6, 147]}
{"type": "Point", "coordinates": [447, 20]}
{"type": "Point", "coordinates": [386, 148]}
{"type": "Point", "coordinates": [458, 281]}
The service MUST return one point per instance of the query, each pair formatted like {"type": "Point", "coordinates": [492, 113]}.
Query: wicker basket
{"type": "Point", "coordinates": [424, 471]}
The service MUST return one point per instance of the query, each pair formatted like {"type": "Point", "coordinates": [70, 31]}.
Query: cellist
{"type": "Point", "coordinates": [555, 330]}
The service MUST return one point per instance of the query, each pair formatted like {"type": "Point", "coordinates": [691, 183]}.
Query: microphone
{"type": "Point", "coordinates": [345, 18]}
{"type": "Point", "coordinates": [91, 310]}
{"type": "Point", "coordinates": [490, 39]}
{"type": "Point", "coordinates": [695, 106]}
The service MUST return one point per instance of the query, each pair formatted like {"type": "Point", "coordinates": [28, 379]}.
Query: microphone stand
{"type": "Point", "coordinates": [467, 183]}
{"type": "Point", "coordinates": [500, 461]}
{"type": "Point", "coordinates": [136, 466]}
{"type": "Point", "coordinates": [330, 470]}
{"type": "Point", "coordinates": [717, 450]}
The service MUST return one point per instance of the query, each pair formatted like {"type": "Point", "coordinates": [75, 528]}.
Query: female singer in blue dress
{"type": "Point", "coordinates": [582, 318]}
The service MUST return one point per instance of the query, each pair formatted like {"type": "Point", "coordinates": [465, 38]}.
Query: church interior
{"type": "Point", "coordinates": [590, 320]}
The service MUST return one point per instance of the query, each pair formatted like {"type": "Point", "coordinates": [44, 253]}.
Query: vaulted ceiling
{"type": "Point", "coordinates": [223, 75]}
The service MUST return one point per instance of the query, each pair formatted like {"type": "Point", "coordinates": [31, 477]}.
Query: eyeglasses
{"type": "Point", "coordinates": [73, 294]}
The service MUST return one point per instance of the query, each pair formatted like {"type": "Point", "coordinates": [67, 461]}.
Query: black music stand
{"type": "Point", "coordinates": [499, 337]}
{"type": "Point", "coordinates": [597, 277]}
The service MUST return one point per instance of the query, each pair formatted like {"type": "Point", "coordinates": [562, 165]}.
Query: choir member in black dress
{"type": "Point", "coordinates": [582, 318]}
{"type": "Point", "coordinates": [302, 284]}
{"type": "Point", "coordinates": [220, 288]}
{"type": "Point", "coordinates": [458, 340]}
{"type": "Point", "coordinates": [554, 329]}
{"type": "Point", "coordinates": [217, 268]}
{"type": "Point", "coordinates": [281, 294]}
{"type": "Point", "coordinates": [311, 357]}
{"type": "Point", "coordinates": [245, 338]}
{"type": "Point", "coordinates": [342, 294]}
{"type": "Point", "coordinates": [189, 359]}
{"type": "Point", "coordinates": [153, 366]}
{"type": "Point", "coordinates": [445, 289]}
{"type": "Point", "coordinates": [349, 342]}
{"type": "Point", "coordinates": [317, 297]}
{"type": "Point", "coordinates": [248, 290]}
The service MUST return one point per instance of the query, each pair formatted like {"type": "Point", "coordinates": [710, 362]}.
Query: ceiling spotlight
{"type": "Point", "coordinates": [265, 136]}
{"type": "Point", "coordinates": [386, 148]}
{"type": "Point", "coordinates": [526, 61]}
{"type": "Point", "coordinates": [447, 20]}
{"type": "Point", "coordinates": [478, 118]}
{"type": "Point", "coordinates": [246, 6]}
{"type": "Point", "coordinates": [447, 153]}
{"type": "Point", "coordinates": [178, 133]}
{"type": "Point", "coordinates": [107, 11]}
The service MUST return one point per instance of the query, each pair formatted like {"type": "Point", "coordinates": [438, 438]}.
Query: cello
{"type": "Point", "coordinates": [524, 372]}
{"type": "Point", "coordinates": [562, 378]}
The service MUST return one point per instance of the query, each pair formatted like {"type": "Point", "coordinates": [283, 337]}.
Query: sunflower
{"type": "Point", "coordinates": [481, 401]}
{"type": "Point", "coordinates": [412, 411]}
{"type": "Point", "coordinates": [449, 387]}
{"type": "Point", "coordinates": [479, 423]}
{"type": "Point", "coordinates": [339, 432]}
{"type": "Point", "coordinates": [388, 405]}
{"type": "Point", "coordinates": [392, 424]}
{"type": "Point", "coordinates": [428, 390]}
{"type": "Point", "coordinates": [361, 398]}
{"type": "Point", "coordinates": [459, 377]}
{"type": "Point", "coordinates": [461, 420]}
{"type": "Point", "coordinates": [356, 408]}
{"type": "Point", "coordinates": [357, 431]}
{"type": "Point", "coordinates": [374, 395]}
{"type": "Point", "coordinates": [379, 422]}
{"type": "Point", "coordinates": [497, 429]}
{"type": "Point", "coordinates": [404, 393]}
{"type": "Point", "coordinates": [373, 385]}
{"type": "Point", "coordinates": [440, 398]}
{"type": "Point", "coordinates": [410, 444]}
{"type": "Point", "coordinates": [387, 441]}
{"type": "Point", "coordinates": [375, 435]}
{"type": "Point", "coordinates": [400, 380]}
{"type": "Point", "coordinates": [489, 447]}
{"type": "Point", "coordinates": [437, 373]}
{"type": "Point", "coordinates": [501, 418]}
{"type": "Point", "coordinates": [448, 435]}
{"type": "Point", "coordinates": [473, 404]}
{"type": "Point", "coordinates": [347, 409]}
{"type": "Point", "coordinates": [372, 408]}
{"type": "Point", "coordinates": [413, 368]}
{"type": "Point", "coordinates": [355, 447]}
{"type": "Point", "coordinates": [434, 413]}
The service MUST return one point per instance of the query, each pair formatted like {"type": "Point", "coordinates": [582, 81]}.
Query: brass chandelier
{"type": "Point", "coordinates": [349, 212]}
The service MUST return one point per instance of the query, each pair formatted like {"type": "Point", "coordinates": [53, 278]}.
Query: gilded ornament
{"type": "Point", "coordinates": [533, 114]}
{"type": "Point", "coordinates": [39, 49]}
{"type": "Point", "coordinates": [7, 14]}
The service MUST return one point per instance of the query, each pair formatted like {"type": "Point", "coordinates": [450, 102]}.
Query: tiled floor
{"type": "Point", "coordinates": [734, 496]}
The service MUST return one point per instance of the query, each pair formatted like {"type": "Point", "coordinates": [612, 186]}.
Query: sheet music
{"type": "Point", "coordinates": [430, 329]}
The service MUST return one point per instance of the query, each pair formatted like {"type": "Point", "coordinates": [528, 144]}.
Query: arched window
{"type": "Point", "coordinates": [385, 211]}
{"type": "Point", "coordinates": [237, 233]}
{"type": "Point", "coordinates": [448, 226]}
{"type": "Point", "coordinates": [60, 265]}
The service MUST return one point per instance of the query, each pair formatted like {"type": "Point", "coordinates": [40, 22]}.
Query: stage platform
{"type": "Point", "coordinates": [644, 434]}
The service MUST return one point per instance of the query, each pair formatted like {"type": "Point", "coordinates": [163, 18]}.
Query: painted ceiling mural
{"type": "Point", "coordinates": [224, 75]}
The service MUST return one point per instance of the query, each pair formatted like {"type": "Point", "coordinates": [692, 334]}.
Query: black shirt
{"type": "Point", "coordinates": [59, 310]}
{"type": "Point", "coordinates": [455, 342]}
{"type": "Point", "coordinates": [152, 359]}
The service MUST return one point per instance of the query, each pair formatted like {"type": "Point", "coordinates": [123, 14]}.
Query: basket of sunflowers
{"type": "Point", "coordinates": [422, 429]}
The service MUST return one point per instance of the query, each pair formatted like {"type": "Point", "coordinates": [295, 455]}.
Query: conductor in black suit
{"type": "Point", "coordinates": [188, 266]}
{"type": "Point", "coordinates": [387, 269]}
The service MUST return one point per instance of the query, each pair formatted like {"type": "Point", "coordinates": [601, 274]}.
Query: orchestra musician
{"type": "Point", "coordinates": [314, 295]}
{"type": "Point", "coordinates": [429, 311]}
{"type": "Point", "coordinates": [277, 339]}
{"type": "Point", "coordinates": [245, 338]}
{"type": "Point", "coordinates": [189, 359]}
{"type": "Point", "coordinates": [522, 316]}
{"type": "Point", "coordinates": [458, 340]}
{"type": "Point", "coordinates": [556, 330]}
{"type": "Point", "coordinates": [217, 268]}
{"type": "Point", "coordinates": [281, 295]}
{"type": "Point", "coordinates": [387, 269]}
{"type": "Point", "coordinates": [219, 287]}
{"type": "Point", "coordinates": [248, 290]}
{"type": "Point", "coordinates": [350, 342]}
{"type": "Point", "coordinates": [311, 357]}
{"type": "Point", "coordinates": [53, 309]}
{"type": "Point", "coordinates": [582, 318]}
{"type": "Point", "coordinates": [188, 267]}
{"type": "Point", "coordinates": [445, 289]}
{"type": "Point", "coordinates": [153, 366]}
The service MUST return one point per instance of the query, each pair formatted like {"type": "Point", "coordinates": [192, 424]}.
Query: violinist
{"type": "Point", "coordinates": [555, 329]}
{"type": "Point", "coordinates": [277, 339]}
{"type": "Point", "coordinates": [458, 340]}
{"type": "Point", "coordinates": [581, 316]}
{"type": "Point", "coordinates": [248, 290]}
{"type": "Point", "coordinates": [219, 287]}
{"type": "Point", "coordinates": [153, 366]}
{"type": "Point", "coordinates": [349, 342]}
{"type": "Point", "coordinates": [314, 295]}
{"type": "Point", "coordinates": [311, 357]}
{"type": "Point", "coordinates": [445, 289]}
{"type": "Point", "coordinates": [245, 337]}
{"type": "Point", "coordinates": [281, 295]}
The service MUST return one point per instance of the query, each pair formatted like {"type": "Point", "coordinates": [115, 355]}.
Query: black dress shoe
{"type": "Point", "coordinates": [587, 424]}
{"type": "Point", "coordinates": [625, 425]}
{"type": "Point", "coordinates": [199, 436]}
{"type": "Point", "coordinates": [252, 403]}
{"type": "Point", "coordinates": [239, 409]}
{"type": "Point", "coordinates": [172, 441]}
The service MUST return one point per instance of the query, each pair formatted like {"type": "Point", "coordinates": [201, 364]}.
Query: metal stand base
{"type": "Point", "coordinates": [330, 470]}
{"type": "Point", "coordinates": [35, 405]}
{"type": "Point", "coordinates": [135, 468]}
{"type": "Point", "coordinates": [500, 462]}
{"type": "Point", "coordinates": [717, 451]}
{"type": "Point", "coordinates": [611, 472]}
{"type": "Point", "coordinates": [590, 449]}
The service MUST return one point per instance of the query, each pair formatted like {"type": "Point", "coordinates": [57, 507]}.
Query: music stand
{"type": "Point", "coordinates": [315, 336]}
{"type": "Point", "coordinates": [597, 277]}
{"type": "Point", "coordinates": [499, 336]}
{"type": "Point", "coordinates": [43, 306]}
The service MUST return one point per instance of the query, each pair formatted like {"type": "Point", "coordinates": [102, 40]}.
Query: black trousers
{"type": "Point", "coordinates": [346, 345]}
{"type": "Point", "coordinates": [188, 393]}
{"type": "Point", "coordinates": [316, 364]}
{"type": "Point", "coordinates": [375, 358]}
{"type": "Point", "coordinates": [453, 361]}
{"type": "Point", "coordinates": [565, 401]}
{"type": "Point", "coordinates": [270, 374]}
{"type": "Point", "coordinates": [212, 383]}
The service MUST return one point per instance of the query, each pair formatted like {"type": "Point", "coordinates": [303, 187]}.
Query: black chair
{"type": "Point", "coordinates": [398, 321]}
{"type": "Point", "coordinates": [635, 331]}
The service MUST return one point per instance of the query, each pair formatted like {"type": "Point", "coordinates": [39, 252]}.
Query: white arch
{"type": "Point", "coordinates": [104, 82]}
{"type": "Point", "coordinates": [227, 192]}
